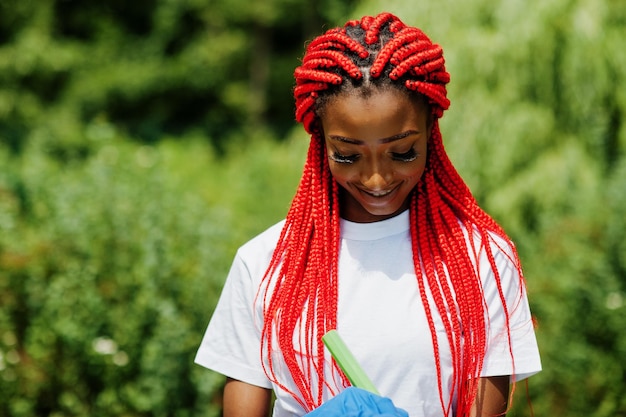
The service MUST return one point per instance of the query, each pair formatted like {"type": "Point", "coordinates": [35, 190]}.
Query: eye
{"type": "Point", "coordinates": [409, 156]}
{"type": "Point", "coordinates": [343, 159]}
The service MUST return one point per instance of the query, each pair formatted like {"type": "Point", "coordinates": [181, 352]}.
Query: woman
{"type": "Point", "coordinates": [383, 242]}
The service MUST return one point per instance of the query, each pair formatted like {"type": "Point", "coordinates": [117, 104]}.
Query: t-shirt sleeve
{"type": "Point", "coordinates": [231, 343]}
{"type": "Point", "coordinates": [519, 356]}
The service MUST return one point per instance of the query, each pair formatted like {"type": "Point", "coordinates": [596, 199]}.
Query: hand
{"type": "Point", "coordinates": [355, 402]}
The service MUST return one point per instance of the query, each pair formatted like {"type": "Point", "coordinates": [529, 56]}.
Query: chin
{"type": "Point", "coordinates": [382, 214]}
{"type": "Point", "coordinates": [386, 210]}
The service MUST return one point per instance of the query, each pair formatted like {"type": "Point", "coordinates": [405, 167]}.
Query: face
{"type": "Point", "coordinates": [376, 147]}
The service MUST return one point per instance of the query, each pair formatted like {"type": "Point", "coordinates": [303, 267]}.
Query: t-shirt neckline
{"type": "Point", "coordinates": [376, 230]}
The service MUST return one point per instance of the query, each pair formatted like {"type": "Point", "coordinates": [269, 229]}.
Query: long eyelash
{"type": "Point", "coordinates": [409, 156]}
{"type": "Point", "coordinates": [343, 159]}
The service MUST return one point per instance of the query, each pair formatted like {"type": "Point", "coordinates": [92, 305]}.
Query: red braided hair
{"type": "Point", "coordinates": [299, 291]}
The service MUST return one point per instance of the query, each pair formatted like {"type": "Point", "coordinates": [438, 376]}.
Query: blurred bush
{"type": "Point", "coordinates": [110, 269]}
{"type": "Point", "coordinates": [150, 67]}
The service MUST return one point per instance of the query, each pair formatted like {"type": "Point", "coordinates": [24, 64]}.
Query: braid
{"type": "Point", "coordinates": [300, 288]}
{"type": "Point", "coordinates": [306, 241]}
{"type": "Point", "coordinates": [373, 26]}
{"type": "Point", "coordinates": [336, 40]}
{"type": "Point", "coordinates": [443, 208]}
{"type": "Point", "coordinates": [395, 50]}
{"type": "Point", "coordinates": [325, 59]}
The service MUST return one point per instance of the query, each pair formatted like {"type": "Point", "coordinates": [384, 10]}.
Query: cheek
{"type": "Point", "coordinates": [413, 173]}
{"type": "Point", "coordinates": [342, 174]}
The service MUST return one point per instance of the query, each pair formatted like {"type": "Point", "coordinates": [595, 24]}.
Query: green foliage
{"type": "Point", "coordinates": [110, 269]}
{"type": "Point", "coordinates": [149, 67]}
{"type": "Point", "coordinates": [536, 129]}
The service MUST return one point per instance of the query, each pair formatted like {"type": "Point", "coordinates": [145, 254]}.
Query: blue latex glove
{"type": "Point", "coordinates": [356, 402]}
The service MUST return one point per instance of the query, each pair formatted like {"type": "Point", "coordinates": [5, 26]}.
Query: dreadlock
{"type": "Point", "coordinates": [300, 287]}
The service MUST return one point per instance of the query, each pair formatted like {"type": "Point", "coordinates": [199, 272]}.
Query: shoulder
{"type": "Point", "coordinates": [479, 240]}
{"type": "Point", "coordinates": [253, 258]}
{"type": "Point", "coordinates": [261, 246]}
{"type": "Point", "coordinates": [499, 269]}
{"type": "Point", "coordinates": [495, 258]}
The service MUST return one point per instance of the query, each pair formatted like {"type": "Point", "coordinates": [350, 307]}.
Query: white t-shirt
{"type": "Point", "coordinates": [380, 317]}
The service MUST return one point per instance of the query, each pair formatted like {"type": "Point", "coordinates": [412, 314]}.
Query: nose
{"type": "Point", "coordinates": [376, 177]}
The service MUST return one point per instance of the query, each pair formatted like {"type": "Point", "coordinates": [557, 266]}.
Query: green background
{"type": "Point", "coordinates": [141, 142]}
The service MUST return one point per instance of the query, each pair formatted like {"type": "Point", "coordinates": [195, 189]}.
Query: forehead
{"type": "Point", "coordinates": [383, 110]}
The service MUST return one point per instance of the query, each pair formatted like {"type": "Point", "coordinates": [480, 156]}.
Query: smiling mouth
{"type": "Point", "coordinates": [378, 194]}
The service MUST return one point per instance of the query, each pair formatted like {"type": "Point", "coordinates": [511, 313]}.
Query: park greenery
{"type": "Point", "coordinates": [142, 142]}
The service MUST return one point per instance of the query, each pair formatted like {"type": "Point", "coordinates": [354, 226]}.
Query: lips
{"type": "Point", "coordinates": [378, 197]}
{"type": "Point", "coordinates": [377, 193]}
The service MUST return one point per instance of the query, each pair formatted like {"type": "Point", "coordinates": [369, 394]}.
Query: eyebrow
{"type": "Point", "coordinates": [382, 140]}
